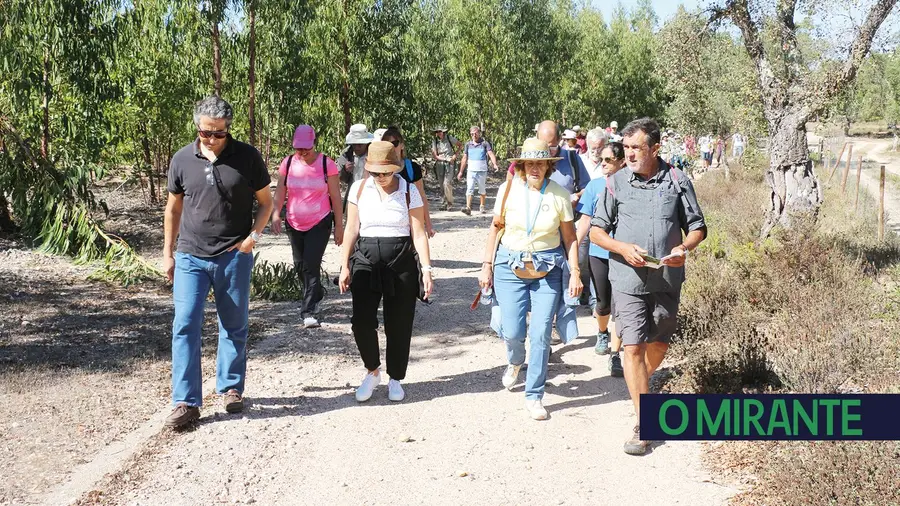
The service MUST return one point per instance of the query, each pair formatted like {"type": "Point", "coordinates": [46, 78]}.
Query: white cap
{"type": "Point", "coordinates": [614, 124]}
{"type": "Point", "coordinates": [377, 134]}
{"type": "Point", "coordinates": [576, 129]}
{"type": "Point", "coordinates": [569, 134]}
{"type": "Point", "coordinates": [358, 134]}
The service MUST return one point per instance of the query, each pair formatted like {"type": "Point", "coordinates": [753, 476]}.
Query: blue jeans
{"type": "Point", "coordinates": [516, 298]}
{"type": "Point", "coordinates": [229, 276]}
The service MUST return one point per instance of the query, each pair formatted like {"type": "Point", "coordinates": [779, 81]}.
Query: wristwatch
{"type": "Point", "coordinates": [255, 236]}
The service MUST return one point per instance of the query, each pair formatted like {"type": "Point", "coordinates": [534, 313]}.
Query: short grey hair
{"type": "Point", "coordinates": [597, 134]}
{"type": "Point", "coordinates": [215, 108]}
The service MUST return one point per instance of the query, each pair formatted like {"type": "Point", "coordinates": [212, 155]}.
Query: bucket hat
{"type": "Point", "coordinates": [382, 158]}
{"type": "Point", "coordinates": [359, 135]}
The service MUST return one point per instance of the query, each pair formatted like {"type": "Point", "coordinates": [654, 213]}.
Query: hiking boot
{"type": "Point", "coordinates": [615, 366]}
{"type": "Point", "coordinates": [233, 401]}
{"type": "Point", "coordinates": [555, 338]}
{"type": "Point", "coordinates": [511, 376]}
{"type": "Point", "coordinates": [635, 446]}
{"type": "Point", "coordinates": [467, 211]}
{"type": "Point", "coordinates": [602, 346]}
{"type": "Point", "coordinates": [182, 416]}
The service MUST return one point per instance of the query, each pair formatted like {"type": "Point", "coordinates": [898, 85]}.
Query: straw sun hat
{"type": "Point", "coordinates": [534, 150]}
{"type": "Point", "coordinates": [383, 158]}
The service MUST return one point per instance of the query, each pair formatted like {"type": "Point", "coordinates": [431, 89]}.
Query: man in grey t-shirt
{"type": "Point", "coordinates": [647, 206]}
{"type": "Point", "coordinates": [445, 150]}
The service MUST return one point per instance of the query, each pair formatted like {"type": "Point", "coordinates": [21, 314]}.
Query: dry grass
{"type": "Point", "coordinates": [816, 310]}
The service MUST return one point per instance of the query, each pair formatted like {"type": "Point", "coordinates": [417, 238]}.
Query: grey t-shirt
{"type": "Point", "coordinates": [651, 213]}
{"type": "Point", "coordinates": [218, 209]}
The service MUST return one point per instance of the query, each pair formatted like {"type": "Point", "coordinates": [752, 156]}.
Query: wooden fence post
{"type": "Point", "coordinates": [881, 207]}
{"type": "Point", "coordinates": [836, 163]}
{"type": "Point", "coordinates": [847, 169]}
{"type": "Point", "coordinates": [858, 177]}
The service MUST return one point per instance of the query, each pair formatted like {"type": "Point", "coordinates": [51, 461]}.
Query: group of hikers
{"type": "Point", "coordinates": [614, 215]}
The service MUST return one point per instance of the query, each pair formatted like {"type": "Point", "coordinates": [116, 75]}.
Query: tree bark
{"type": "Point", "coordinates": [217, 58]}
{"type": "Point", "coordinates": [6, 222]}
{"type": "Point", "coordinates": [45, 108]}
{"type": "Point", "coordinates": [796, 192]}
{"type": "Point", "coordinates": [251, 106]}
{"type": "Point", "coordinates": [148, 167]}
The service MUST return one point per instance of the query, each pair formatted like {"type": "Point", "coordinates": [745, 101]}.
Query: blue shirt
{"type": "Point", "coordinates": [563, 174]}
{"type": "Point", "coordinates": [594, 190]}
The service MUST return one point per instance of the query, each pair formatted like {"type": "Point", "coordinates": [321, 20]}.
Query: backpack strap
{"type": "Point", "coordinates": [500, 221]}
{"type": "Point", "coordinates": [325, 167]}
{"type": "Point", "coordinates": [409, 168]}
{"type": "Point", "coordinates": [362, 184]}
{"type": "Point", "coordinates": [574, 165]}
{"type": "Point", "coordinates": [288, 160]}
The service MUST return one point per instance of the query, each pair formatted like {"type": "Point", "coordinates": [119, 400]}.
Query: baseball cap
{"type": "Point", "coordinates": [304, 137]}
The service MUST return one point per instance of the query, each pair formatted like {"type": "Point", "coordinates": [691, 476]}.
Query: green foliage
{"type": "Point", "coordinates": [275, 281]}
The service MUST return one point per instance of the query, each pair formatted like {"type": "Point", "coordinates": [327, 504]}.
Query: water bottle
{"type": "Point", "coordinates": [487, 296]}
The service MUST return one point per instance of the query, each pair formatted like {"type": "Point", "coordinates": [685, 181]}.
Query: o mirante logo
{"type": "Point", "coordinates": [770, 417]}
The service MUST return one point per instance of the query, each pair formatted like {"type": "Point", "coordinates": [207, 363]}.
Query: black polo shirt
{"type": "Point", "coordinates": [218, 210]}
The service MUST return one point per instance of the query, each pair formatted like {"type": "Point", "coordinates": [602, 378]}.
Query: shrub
{"type": "Point", "coordinates": [275, 282]}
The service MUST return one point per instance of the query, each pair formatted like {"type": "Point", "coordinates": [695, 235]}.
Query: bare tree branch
{"type": "Point", "coordinates": [836, 80]}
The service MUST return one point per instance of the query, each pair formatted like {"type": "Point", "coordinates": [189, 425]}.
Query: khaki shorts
{"type": "Point", "coordinates": [649, 318]}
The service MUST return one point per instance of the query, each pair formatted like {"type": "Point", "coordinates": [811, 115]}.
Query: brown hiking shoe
{"type": "Point", "coordinates": [182, 415]}
{"type": "Point", "coordinates": [635, 446]}
{"type": "Point", "coordinates": [234, 403]}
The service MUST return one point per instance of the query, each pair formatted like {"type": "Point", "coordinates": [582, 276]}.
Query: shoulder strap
{"type": "Point", "coordinates": [287, 172]}
{"type": "Point", "coordinates": [408, 191]}
{"type": "Point", "coordinates": [500, 221]}
{"type": "Point", "coordinates": [409, 168]}
{"type": "Point", "coordinates": [574, 165]}
{"type": "Point", "coordinates": [362, 184]}
{"type": "Point", "coordinates": [325, 167]}
{"type": "Point", "coordinates": [675, 180]}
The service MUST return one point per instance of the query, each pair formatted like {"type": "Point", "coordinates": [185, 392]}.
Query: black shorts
{"type": "Point", "coordinates": [649, 318]}
{"type": "Point", "coordinates": [600, 277]}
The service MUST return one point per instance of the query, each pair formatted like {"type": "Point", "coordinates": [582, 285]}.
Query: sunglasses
{"type": "Point", "coordinates": [607, 159]}
{"type": "Point", "coordinates": [381, 174]}
{"type": "Point", "coordinates": [395, 142]}
{"type": "Point", "coordinates": [218, 134]}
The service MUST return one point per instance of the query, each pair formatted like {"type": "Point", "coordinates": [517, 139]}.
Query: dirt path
{"type": "Point", "coordinates": [458, 438]}
{"type": "Point", "coordinates": [875, 152]}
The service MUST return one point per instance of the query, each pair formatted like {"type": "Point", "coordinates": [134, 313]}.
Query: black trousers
{"type": "Point", "coordinates": [384, 268]}
{"type": "Point", "coordinates": [602, 287]}
{"type": "Point", "coordinates": [308, 248]}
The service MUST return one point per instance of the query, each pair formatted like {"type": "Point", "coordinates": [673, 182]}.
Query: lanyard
{"type": "Point", "coordinates": [529, 224]}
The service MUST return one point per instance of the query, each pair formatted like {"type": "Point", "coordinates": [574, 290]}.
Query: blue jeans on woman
{"type": "Point", "coordinates": [516, 297]}
{"type": "Point", "coordinates": [229, 276]}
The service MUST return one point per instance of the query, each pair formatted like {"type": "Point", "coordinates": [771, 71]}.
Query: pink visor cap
{"type": "Point", "coordinates": [304, 137]}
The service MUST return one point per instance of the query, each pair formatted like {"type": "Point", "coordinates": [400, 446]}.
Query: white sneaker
{"type": "Point", "coordinates": [395, 391]}
{"type": "Point", "coordinates": [483, 210]}
{"type": "Point", "coordinates": [511, 376]}
{"type": "Point", "coordinates": [364, 392]}
{"type": "Point", "coordinates": [536, 409]}
{"type": "Point", "coordinates": [310, 323]}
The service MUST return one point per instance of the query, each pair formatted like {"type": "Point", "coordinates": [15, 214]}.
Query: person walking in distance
{"type": "Point", "coordinates": [412, 171]}
{"type": "Point", "coordinates": [212, 183]}
{"type": "Point", "coordinates": [311, 183]}
{"type": "Point", "coordinates": [651, 209]}
{"type": "Point", "coordinates": [445, 150]}
{"type": "Point", "coordinates": [474, 164]}
{"type": "Point", "coordinates": [352, 161]}
{"type": "Point", "coordinates": [385, 225]}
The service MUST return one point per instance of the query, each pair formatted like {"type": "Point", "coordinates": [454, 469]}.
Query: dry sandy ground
{"type": "Point", "coordinates": [875, 152]}
{"type": "Point", "coordinates": [458, 438]}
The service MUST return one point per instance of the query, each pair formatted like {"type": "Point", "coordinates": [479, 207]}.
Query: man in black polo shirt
{"type": "Point", "coordinates": [212, 184]}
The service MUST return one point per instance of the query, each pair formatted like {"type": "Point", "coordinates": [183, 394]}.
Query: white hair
{"type": "Point", "coordinates": [597, 134]}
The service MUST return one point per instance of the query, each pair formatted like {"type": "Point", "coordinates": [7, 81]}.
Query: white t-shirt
{"type": "Point", "coordinates": [594, 169]}
{"type": "Point", "coordinates": [388, 218]}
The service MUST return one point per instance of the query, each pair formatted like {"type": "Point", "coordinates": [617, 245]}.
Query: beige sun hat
{"type": "Point", "coordinates": [383, 158]}
{"type": "Point", "coordinates": [534, 149]}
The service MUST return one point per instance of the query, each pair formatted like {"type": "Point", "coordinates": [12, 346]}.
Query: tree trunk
{"type": "Point", "coordinates": [251, 78]}
{"type": "Point", "coordinates": [45, 108]}
{"type": "Point", "coordinates": [796, 190]}
{"type": "Point", "coordinates": [345, 86]}
{"type": "Point", "coordinates": [217, 58]}
{"type": "Point", "coordinates": [148, 168]}
{"type": "Point", "coordinates": [6, 222]}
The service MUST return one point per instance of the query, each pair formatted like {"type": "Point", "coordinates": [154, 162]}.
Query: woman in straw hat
{"type": "Point", "coordinates": [385, 228]}
{"type": "Point", "coordinates": [534, 221]}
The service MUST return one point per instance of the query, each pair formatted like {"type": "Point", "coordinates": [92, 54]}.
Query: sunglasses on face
{"type": "Point", "coordinates": [218, 134]}
{"type": "Point", "coordinates": [607, 159]}
{"type": "Point", "coordinates": [395, 142]}
{"type": "Point", "coordinates": [380, 175]}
